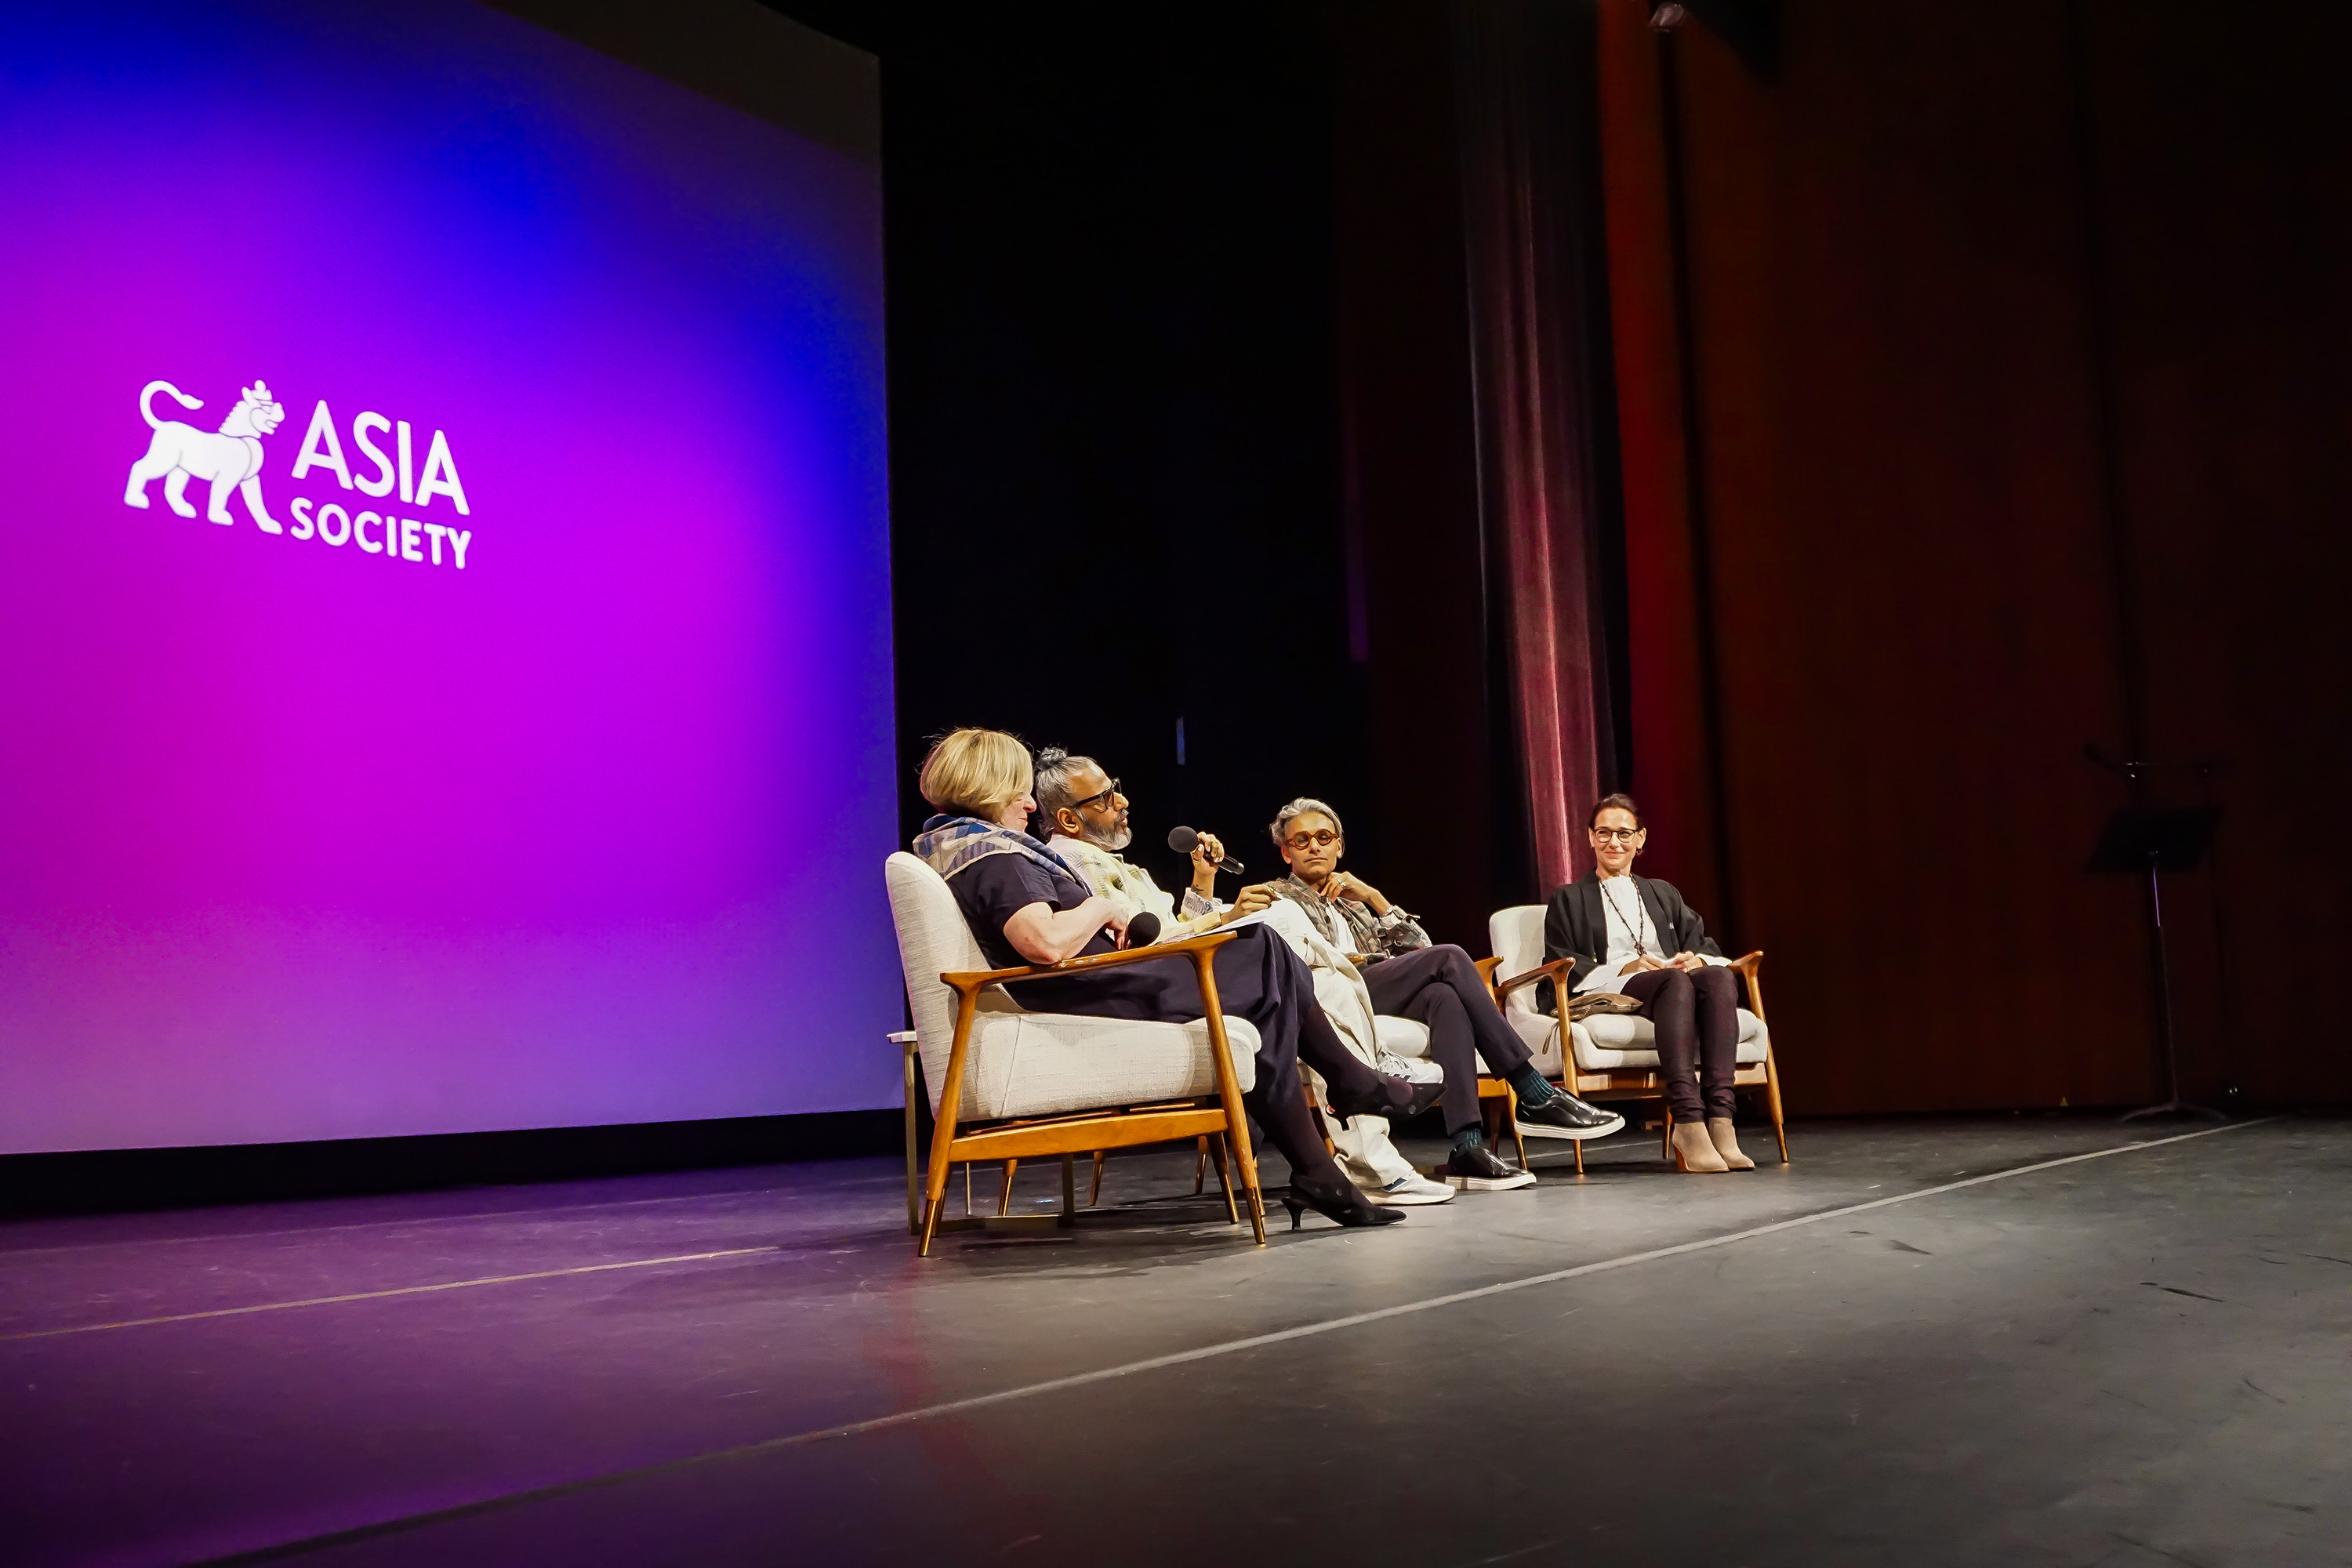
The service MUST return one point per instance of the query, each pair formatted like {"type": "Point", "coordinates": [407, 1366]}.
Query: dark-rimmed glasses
{"type": "Point", "coordinates": [1617, 834]}
{"type": "Point", "coordinates": [1319, 840]}
{"type": "Point", "coordinates": [1101, 797]}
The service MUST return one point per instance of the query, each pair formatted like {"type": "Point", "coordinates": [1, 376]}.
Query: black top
{"type": "Point", "coordinates": [1575, 927]}
{"type": "Point", "coordinates": [995, 888]}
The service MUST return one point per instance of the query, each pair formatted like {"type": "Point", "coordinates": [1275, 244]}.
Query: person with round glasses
{"type": "Point", "coordinates": [1634, 936]}
{"type": "Point", "coordinates": [1436, 986]}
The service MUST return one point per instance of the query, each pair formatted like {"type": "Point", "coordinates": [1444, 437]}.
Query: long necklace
{"type": "Point", "coordinates": [1634, 924]}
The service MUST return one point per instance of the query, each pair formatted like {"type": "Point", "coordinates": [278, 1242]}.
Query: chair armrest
{"type": "Point", "coordinates": [1751, 968]}
{"type": "Point", "coordinates": [1486, 967]}
{"type": "Point", "coordinates": [972, 980]}
{"type": "Point", "coordinates": [1555, 972]}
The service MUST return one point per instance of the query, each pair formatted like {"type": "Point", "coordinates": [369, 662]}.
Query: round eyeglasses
{"type": "Point", "coordinates": [1322, 840]}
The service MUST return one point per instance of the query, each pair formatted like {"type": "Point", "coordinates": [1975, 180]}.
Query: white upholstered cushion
{"type": "Point", "coordinates": [1036, 1064]}
{"type": "Point", "coordinates": [1402, 1036]}
{"type": "Point", "coordinates": [1611, 1041]}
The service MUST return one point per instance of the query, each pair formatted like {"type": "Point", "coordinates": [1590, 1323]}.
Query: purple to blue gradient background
{"type": "Point", "coordinates": [297, 842]}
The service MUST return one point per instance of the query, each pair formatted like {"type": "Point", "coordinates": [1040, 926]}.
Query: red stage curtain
{"type": "Point", "coordinates": [1524, 93]}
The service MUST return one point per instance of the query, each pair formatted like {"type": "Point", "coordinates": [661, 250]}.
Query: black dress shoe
{"type": "Point", "coordinates": [1565, 1116]}
{"type": "Point", "coordinates": [1478, 1169]}
{"type": "Point", "coordinates": [1396, 1099]}
{"type": "Point", "coordinates": [1336, 1198]}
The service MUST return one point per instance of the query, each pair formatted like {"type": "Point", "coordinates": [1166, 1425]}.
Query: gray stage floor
{"type": "Point", "coordinates": [2144, 1356]}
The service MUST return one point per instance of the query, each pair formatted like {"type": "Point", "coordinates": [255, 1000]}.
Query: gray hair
{"type": "Point", "coordinates": [1056, 770]}
{"type": "Point", "coordinates": [1304, 805]}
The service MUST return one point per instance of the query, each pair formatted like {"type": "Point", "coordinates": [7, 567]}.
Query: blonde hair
{"type": "Point", "coordinates": [975, 772]}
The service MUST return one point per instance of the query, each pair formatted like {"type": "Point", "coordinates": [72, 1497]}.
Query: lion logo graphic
{"type": "Point", "coordinates": [230, 459]}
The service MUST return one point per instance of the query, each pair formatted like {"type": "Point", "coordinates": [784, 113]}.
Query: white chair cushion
{"type": "Point", "coordinates": [1517, 934]}
{"type": "Point", "coordinates": [1036, 1064]}
{"type": "Point", "coordinates": [1041, 1064]}
{"type": "Point", "coordinates": [1402, 1036]}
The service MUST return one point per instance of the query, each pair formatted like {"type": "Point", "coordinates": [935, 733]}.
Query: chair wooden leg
{"type": "Point", "coordinates": [1511, 1109]}
{"type": "Point", "coordinates": [1069, 1188]}
{"type": "Point", "coordinates": [1248, 1172]}
{"type": "Point", "coordinates": [1772, 1101]}
{"type": "Point", "coordinates": [907, 1066]}
{"type": "Point", "coordinates": [1201, 1168]}
{"type": "Point", "coordinates": [944, 1129]}
{"type": "Point", "coordinates": [1236, 1138]}
{"type": "Point", "coordinates": [930, 1222]}
{"type": "Point", "coordinates": [935, 1190]}
{"type": "Point", "coordinates": [1580, 1157]}
{"type": "Point", "coordinates": [1093, 1193]}
{"type": "Point", "coordinates": [1224, 1182]}
{"type": "Point", "coordinates": [1004, 1197]}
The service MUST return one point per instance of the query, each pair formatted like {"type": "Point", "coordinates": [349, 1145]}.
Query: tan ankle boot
{"type": "Point", "coordinates": [1694, 1152]}
{"type": "Point", "coordinates": [1727, 1144]}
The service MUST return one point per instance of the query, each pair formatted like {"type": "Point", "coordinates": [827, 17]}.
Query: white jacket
{"type": "Point", "coordinates": [1366, 1154]}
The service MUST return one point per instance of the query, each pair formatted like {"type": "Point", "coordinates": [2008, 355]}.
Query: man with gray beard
{"type": "Point", "coordinates": [1085, 825]}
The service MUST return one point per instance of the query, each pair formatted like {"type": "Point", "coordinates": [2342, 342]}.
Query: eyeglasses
{"type": "Point", "coordinates": [1323, 840]}
{"type": "Point", "coordinates": [1100, 798]}
{"type": "Point", "coordinates": [1617, 834]}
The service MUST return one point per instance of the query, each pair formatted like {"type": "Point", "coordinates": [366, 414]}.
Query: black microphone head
{"type": "Point", "coordinates": [1143, 929]}
{"type": "Point", "coordinates": [1182, 840]}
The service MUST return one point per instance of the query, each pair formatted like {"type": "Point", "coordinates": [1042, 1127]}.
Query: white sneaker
{"type": "Point", "coordinates": [1407, 1191]}
{"type": "Point", "coordinates": [1411, 1072]}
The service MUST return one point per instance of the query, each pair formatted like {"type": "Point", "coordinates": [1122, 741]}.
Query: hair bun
{"type": "Point", "coordinates": [1052, 756]}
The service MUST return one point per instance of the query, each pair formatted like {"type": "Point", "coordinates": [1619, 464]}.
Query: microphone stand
{"type": "Point", "coordinates": [2157, 842]}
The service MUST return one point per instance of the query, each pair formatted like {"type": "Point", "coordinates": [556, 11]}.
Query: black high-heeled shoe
{"type": "Point", "coordinates": [1394, 1099]}
{"type": "Point", "coordinates": [1337, 1199]}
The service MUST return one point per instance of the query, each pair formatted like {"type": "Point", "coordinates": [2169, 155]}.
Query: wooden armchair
{"type": "Point", "coordinates": [1611, 1057]}
{"type": "Point", "coordinates": [1006, 1084]}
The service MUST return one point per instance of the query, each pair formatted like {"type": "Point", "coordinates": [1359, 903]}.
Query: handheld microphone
{"type": "Point", "coordinates": [1184, 840]}
{"type": "Point", "coordinates": [1143, 929]}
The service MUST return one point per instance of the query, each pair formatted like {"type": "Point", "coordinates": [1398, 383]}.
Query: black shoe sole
{"type": "Point", "coordinates": [1571, 1135]}
{"type": "Point", "coordinates": [1491, 1184]}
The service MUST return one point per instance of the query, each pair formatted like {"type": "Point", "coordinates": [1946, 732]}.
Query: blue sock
{"type": "Point", "coordinates": [1470, 1137]}
{"type": "Point", "coordinates": [1532, 1087]}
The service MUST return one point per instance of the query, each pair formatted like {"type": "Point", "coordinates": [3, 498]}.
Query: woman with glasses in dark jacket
{"type": "Point", "coordinates": [1634, 935]}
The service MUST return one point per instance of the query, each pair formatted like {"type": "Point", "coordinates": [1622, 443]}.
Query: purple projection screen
{"type": "Point", "coordinates": [444, 638]}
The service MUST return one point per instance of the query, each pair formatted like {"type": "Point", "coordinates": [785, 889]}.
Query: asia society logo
{"type": "Point", "coordinates": [229, 460]}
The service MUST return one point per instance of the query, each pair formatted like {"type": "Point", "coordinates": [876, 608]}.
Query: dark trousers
{"type": "Point", "coordinates": [1697, 1020]}
{"type": "Point", "coordinates": [1258, 978]}
{"type": "Point", "coordinates": [1440, 987]}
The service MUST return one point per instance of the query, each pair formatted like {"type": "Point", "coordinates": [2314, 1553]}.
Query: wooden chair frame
{"type": "Point", "coordinates": [1645, 1083]}
{"type": "Point", "coordinates": [1076, 1132]}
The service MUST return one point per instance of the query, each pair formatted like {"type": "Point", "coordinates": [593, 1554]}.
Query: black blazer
{"type": "Point", "coordinates": [1575, 927]}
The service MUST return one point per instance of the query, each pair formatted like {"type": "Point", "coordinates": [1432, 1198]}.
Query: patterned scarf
{"type": "Point", "coordinates": [949, 843]}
